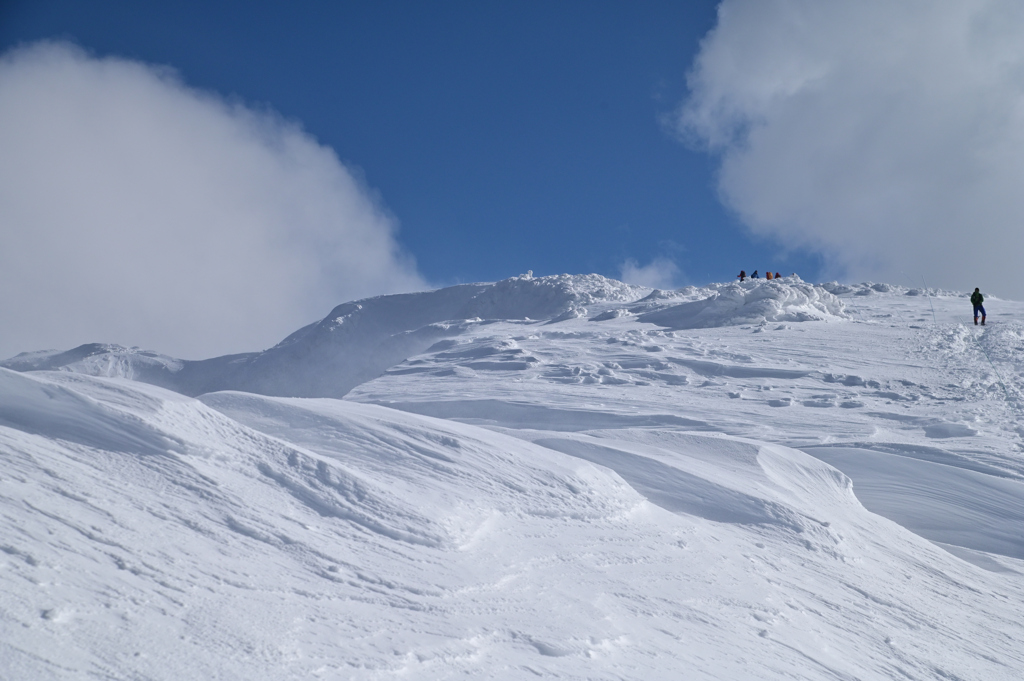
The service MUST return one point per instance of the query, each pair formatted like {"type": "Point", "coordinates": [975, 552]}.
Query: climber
{"type": "Point", "coordinates": [976, 300]}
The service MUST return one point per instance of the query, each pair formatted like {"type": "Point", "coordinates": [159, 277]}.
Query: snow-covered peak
{"type": "Point", "coordinates": [361, 340]}
{"type": "Point", "coordinates": [751, 302]}
{"type": "Point", "coordinates": [355, 342]}
{"type": "Point", "coordinates": [546, 298]}
{"type": "Point", "coordinates": [97, 359]}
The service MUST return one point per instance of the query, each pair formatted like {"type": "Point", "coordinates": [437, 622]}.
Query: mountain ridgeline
{"type": "Point", "coordinates": [357, 341]}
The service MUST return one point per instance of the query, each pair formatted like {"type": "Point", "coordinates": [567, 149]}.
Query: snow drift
{"type": "Point", "coordinates": [150, 535]}
{"type": "Point", "coordinates": [752, 302]}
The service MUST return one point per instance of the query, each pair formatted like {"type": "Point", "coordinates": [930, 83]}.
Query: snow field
{"type": "Point", "coordinates": [284, 538]}
{"type": "Point", "coordinates": [541, 483]}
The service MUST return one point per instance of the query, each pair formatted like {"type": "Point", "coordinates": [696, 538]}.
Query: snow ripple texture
{"type": "Point", "coordinates": [558, 477]}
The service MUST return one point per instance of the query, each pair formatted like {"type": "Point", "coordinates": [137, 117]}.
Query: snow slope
{"type": "Point", "coordinates": [352, 344]}
{"type": "Point", "coordinates": [563, 477]}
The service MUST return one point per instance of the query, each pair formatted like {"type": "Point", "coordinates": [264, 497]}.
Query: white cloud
{"type": "Point", "coordinates": [136, 210]}
{"type": "Point", "coordinates": [659, 273]}
{"type": "Point", "coordinates": [888, 134]}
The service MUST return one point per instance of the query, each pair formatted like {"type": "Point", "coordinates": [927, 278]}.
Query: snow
{"type": "Point", "coordinates": [751, 302]}
{"type": "Point", "coordinates": [565, 477]}
{"type": "Point", "coordinates": [946, 504]}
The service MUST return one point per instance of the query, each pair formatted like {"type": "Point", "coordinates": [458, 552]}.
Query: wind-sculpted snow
{"type": "Point", "coordinates": [39, 407]}
{"type": "Point", "coordinates": [678, 490]}
{"type": "Point", "coordinates": [539, 477]}
{"type": "Point", "coordinates": [525, 415]}
{"type": "Point", "coordinates": [869, 288]}
{"type": "Point", "coordinates": [973, 511]}
{"type": "Point", "coordinates": [358, 341]}
{"type": "Point", "coordinates": [282, 538]}
{"type": "Point", "coordinates": [752, 302]}
{"type": "Point", "coordinates": [353, 344]}
{"type": "Point", "coordinates": [546, 298]}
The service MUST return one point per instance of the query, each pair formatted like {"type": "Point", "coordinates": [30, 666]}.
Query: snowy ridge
{"type": "Point", "coordinates": [97, 359]}
{"type": "Point", "coordinates": [358, 341]}
{"type": "Point", "coordinates": [774, 481]}
{"type": "Point", "coordinates": [868, 288]}
{"type": "Point", "coordinates": [751, 302]}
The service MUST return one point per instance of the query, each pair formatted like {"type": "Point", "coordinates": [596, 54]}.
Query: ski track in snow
{"type": "Point", "coordinates": [562, 477]}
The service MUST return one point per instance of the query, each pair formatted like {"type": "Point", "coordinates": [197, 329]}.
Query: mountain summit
{"type": "Point", "coordinates": [357, 341]}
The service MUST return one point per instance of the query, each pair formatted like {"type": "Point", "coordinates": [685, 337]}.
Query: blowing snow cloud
{"type": "Point", "coordinates": [140, 211]}
{"type": "Point", "coordinates": [887, 135]}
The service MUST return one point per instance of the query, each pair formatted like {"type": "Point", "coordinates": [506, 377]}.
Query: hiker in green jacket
{"type": "Point", "coordinates": [976, 300]}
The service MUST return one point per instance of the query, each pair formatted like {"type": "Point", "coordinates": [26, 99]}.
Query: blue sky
{"type": "Point", "coordinates": [205, 177]}
{"type": "Point", "coordinates": [504, 137]}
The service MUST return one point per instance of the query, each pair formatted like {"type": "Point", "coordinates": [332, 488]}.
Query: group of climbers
{"type": "Point", "coordinates": [742, 276]}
